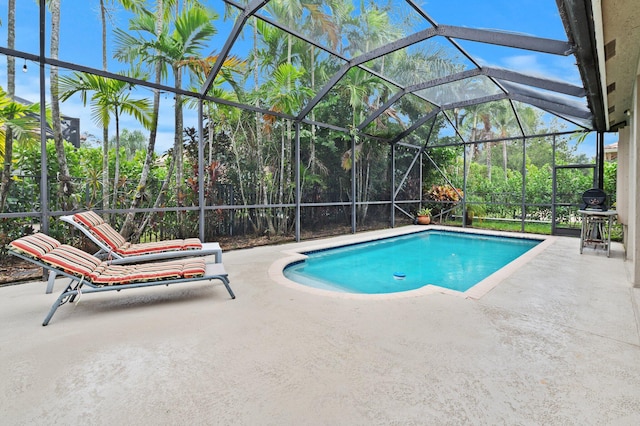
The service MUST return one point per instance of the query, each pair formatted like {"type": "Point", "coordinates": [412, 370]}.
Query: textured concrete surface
{"type": "Point", "coordinates": [556, 342]}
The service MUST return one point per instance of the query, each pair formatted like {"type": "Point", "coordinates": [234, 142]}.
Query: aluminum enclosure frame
{"type": "Point", "coordinates": [574, 15]}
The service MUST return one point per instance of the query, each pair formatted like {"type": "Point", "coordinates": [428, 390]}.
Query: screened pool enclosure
{"type": "Point", "coordinates": [295, 119]}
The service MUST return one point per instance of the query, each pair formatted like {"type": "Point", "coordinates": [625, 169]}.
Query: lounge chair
{"type": "Point", "coordinates": [113, 246]}
{"type": "Point", "coordinates": [89, 274]}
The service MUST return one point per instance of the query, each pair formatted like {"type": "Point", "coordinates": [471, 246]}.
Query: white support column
{"type": "Point", "coordinates": [633, 252]}
{"type": "Point", "coordinates": [623, 183]}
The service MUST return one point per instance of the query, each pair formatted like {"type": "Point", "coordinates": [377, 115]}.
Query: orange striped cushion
{"type": "Point", "coordinates": [100, 229]}
{"type": "Point", "coordinates": [192, 244]}
{"type": "Point", "coordinates": [155, 247]}
{"type": "Point", "coordinates": [127, 275]}
{"type": "Point", "coordinates": [144, 272]}
{"type": "Point", "coordinates": [83, 264]}
{"type": "Point", "coordinates": [103, 231]}
{"type": "Point", "coordinates": [35, 245]}
{"type": "Point", "coordinates": [72, 261]}
{"type": "Point", "coordinates": [110, 236]}
{"type": "Point", "coordinates": [192, 268]}
{"type": "Point", "coordinates": [88, 219]}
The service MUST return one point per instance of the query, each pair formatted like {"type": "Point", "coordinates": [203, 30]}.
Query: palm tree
{"type": "Point", "coordinates": [66, 187]}
{"type": "Point", "coordinates": [231, 71]}
{"type": "Point", "coordinates": [109, 97]}
{"type": "Point", "coordinates": [131, 141]}
{"type": "Point", "coordinates": [19, 122]}
{"type": "Point", "coordinates": [192, 29]}
{"type": "Point", "coordinates": [129, 49]}
{"type": "Point", "coordinates": [135, 6]}
{"type": "Point", "coordinates": [274, 48]}
{"type": "Point", "coordinates": [319, 26]}
{"type": "Point", "coordinates": [357, 86]}
{"type": "Point", "coordinates": [476, 120]}
{"type": "Point", "coordinates": [5, 177]}
{"type": "Point", "coordinates": [285, 94]}
{"type": "Point", "coordinates": [169, 49]}
{"type": "Point", "coordinates": [505, 122]}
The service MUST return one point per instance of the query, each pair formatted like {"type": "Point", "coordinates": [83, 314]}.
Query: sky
{"type": "Point", "coordinates": [80, 43]}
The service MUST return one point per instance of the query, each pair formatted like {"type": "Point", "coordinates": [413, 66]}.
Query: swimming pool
{"type": "Point", "coordinates": [451, 260]}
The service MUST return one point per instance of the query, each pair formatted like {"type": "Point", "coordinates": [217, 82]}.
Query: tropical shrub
{"type": "Point", "coordinates": [443, 198]}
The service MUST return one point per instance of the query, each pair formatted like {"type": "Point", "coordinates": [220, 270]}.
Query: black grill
{"type": "Point", "coordinates": [595, 199]}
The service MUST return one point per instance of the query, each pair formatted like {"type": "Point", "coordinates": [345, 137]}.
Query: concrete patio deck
{"type": "Point", "coordinates": [556, 342]}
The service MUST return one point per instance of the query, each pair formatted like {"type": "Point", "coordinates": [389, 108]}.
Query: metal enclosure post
{"type": "Point", "coordinates": [44, 180]}
{"type": "Point", "coordinates": [297, 171]}
{"type": "Point", "coordinates": [201, 170]}
{"type": "Point", "coordinates": [553, 187]}
{"type": "Point", "coordinates": [353, 184]}
{"type": "Point", "coordinates": [393, 186]}
{"type": "Point", "coordinates": [421, 178]}
{"type": "Point", "coordinates": [524, 183]}
{"type": "Point", "coordinates": [464, 185]}
{"type": "Point", "coordinates": [600, 159]}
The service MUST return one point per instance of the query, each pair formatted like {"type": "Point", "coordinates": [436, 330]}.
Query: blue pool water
{"type": "Point", "coordinates": [451, 260]}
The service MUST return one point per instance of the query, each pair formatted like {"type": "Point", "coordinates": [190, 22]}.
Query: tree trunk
{"type": "Point", "coordinates": [259, 144]}
{"type": "Point", "coordinates": [128, 225]}
{"type": "Point", "coordinates": [236, 154]}
{"type": "Point", "coordinates": [105, 169]}
{"type": "Point", "coordinates": [5, 179]}
{"type": "Point", "coordinates": [177, 147]}
{"type": "Point", "coordinates": [159, 199]}
{"type": "Point", "coordinates": [283, 159]}
{"type": "Point", "coordinates": [488, 153]}
{"type": "Point", "coordinates": [105, 130]}
{"type": "Point", "coordinates": [116, 171]}
{"type": "Point", "coordinates": [65, 190]}
{"type": "Point", "coordinates": [504, 158]}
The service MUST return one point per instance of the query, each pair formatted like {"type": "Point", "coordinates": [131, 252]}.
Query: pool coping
{"type": "Point", "coordinates": [476, 292]}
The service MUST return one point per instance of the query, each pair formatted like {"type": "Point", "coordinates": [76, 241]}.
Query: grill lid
{"type": "Point", "coordinates": [594, 199]}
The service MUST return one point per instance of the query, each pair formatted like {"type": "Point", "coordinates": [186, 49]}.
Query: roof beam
{"type": "Point", "coordinates": [444, 80]}
{"type": "Point", "coordinates": [502, 74]}
{"type": "Point", "coordinates": [382, 109]}
{"type": "Point", "coordinates": [501, 38]}
{"type": "Point", "coordinates": [542, 83]}
{"type": "Point", "coordinates": [248, 11]}
{"type": "Point", "coordinates": [538, 44]}
{"type": "Point", "coordinates": [394, 45]}
{"type": "Point", "coordinates": [553, 107]}
{"type": "Point", "coordinates": [578, 23]}
{"type": "Point", "coordinates": [476, 101]}
{"type": "Point", "coordinates": [414, 126]}
{"type": "Point", "coordinates": [321, 94]}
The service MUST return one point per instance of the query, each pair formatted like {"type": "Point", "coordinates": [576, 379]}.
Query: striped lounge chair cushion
{"type": "Point", "coordinates": [84, 265]}
{"type": "Point", "coordinates": [129, 249]}
{"type": "Point", "coordinates": [107, 274]}
{"type": "Point", "coordinates": [100, 229]}
{"type": "Point", "coordinates": [112, 238]}
{"type": "Point", "coordinates": [88, 219]}
{"type": "Point", "coordinates": [72, 261]}
{"type": "Point", "coordinates": [192, 244]}
{"type": "Point", "coordinates": [35, 245]}
{"type": "Point", "coordinates": [50, 251]}
{"type": "Point", "coordinates": [109, 236]}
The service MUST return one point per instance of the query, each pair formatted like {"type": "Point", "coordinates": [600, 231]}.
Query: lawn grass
{"type": "Point", "coordinates": [529, 227]}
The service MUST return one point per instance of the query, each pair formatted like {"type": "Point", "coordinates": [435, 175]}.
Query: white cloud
{"type": "Point", "coordinates": [526, 64]}
{"type": "Point", "coordinates": [560, 68]}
